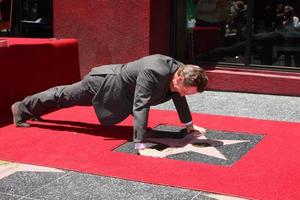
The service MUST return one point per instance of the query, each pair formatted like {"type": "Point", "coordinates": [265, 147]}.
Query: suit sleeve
{"type": "Point", "coordinates": [146, 83]}
{"type": "Point", "coordinates": [182, 108]}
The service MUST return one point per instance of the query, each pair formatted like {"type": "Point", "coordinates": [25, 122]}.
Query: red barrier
{"type": "Point", "coordinates": [32, 65]}
{"type": "Point", "coordinates": [254, 81]}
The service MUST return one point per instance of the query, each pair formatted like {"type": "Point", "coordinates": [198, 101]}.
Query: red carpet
{"type": "Point", "coordinates": [271, 170]}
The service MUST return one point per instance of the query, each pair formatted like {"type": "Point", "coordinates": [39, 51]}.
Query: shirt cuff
{"type": "Point", "coordinates": [139, 146]}
{"type": "Point", "coordinates": [188, 123]}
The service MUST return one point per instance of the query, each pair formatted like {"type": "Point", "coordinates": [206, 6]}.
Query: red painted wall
{"type": "Point", "coordinates": [113, 31]}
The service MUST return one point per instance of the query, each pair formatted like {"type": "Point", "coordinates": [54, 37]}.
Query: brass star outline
{"type": "Point", "coordinates": [194, 143]}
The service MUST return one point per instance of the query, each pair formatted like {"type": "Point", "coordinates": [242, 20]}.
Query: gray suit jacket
{"type": "Point", "coordinates": [133, 87]}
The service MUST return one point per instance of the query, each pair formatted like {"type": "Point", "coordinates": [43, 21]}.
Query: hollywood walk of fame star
{"type": "Point", "coordinates": [194, 143]}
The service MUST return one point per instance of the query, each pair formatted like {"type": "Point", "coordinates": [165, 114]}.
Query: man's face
{"type": "Point", "coordinates": [183, 90]}
{"type": "Point", "coordinates": [187, 90]}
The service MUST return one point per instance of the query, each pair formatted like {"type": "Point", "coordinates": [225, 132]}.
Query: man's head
{"type": "Point", "coordinates": [189, 79]}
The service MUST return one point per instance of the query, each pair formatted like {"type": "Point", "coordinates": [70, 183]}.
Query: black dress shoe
{"type": "Point", "coordinates": [17, 115]}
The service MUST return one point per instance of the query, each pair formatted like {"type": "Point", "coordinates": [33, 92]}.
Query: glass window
{"type": "Point", "coordinates": [276, 37]}
{"type": "Point", "coordinates": [5, 15]}
{"type": "Point", "coordinates": [256, 33]}
{"type": "Point", "coordinates": [219, 34]}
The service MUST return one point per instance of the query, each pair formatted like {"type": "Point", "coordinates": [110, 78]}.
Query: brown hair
{"type": "Point", "coordinates": [193, 76]}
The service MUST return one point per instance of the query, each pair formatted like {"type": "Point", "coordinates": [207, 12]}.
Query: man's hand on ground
{"type": "Point", "coordinates": [152, 153]}
{"type": "Point", "coordinates": [197, 130]}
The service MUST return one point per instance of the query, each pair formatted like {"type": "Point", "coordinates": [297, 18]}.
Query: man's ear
{"type": "Point", "coordinates": [180, 79]}
{"type": "Point", "coordinates": [176, 82]}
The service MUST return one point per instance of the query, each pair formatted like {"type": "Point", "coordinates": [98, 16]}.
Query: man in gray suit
{"type": "Point", "coordinates": [118, 90]}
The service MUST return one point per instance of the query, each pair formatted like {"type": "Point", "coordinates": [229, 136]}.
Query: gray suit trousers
{"type": "Point", "coordinates": [77, 94]}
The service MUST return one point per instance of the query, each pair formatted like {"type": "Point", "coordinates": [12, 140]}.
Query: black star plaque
{"type": "Point", "coordinates": [215, 147]}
